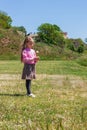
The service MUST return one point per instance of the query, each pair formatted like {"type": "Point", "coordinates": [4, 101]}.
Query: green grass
{"type": "Point", "coordinates": [61, 97]}
{"type": "Point", "coordinates": [46, 67]}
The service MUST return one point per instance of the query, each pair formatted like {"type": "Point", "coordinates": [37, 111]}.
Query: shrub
{"type": "Point", "coordinates": [82, 61]}
{"type": "Point", "coordinates": [80, 49]}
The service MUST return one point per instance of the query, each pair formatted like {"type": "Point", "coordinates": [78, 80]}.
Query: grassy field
{"type": "Point", "coordinates": [60, 102]}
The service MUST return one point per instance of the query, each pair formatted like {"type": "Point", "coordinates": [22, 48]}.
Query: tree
{"type": "Point", "coordinates": [76, 45]}
{"type": "Point", "coordinates": [20, 28]}
{"type": "Point", "coordinates": [5, 20]}
{"type": "Point", "coordinates": [69, 44]}
{"type": "Point", "coordinates": [57, 28]}
{"type": "Point", "coordinates": [80, 49]}
{"type": "Point", "coordinates": [50, 34]}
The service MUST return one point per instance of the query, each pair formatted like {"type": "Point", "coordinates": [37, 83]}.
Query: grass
{"type": "Point", "coordinates": [61, 97]}
{"type": "Point", "coordinates": [46, 67]}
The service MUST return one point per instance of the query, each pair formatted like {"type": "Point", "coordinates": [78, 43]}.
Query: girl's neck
{"type": "Point", "coordinates": [27, 48]}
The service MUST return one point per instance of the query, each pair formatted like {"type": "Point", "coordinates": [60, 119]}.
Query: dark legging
{"type": "Point", "coordinates": [28, 86]}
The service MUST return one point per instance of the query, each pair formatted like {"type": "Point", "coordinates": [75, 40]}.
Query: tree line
{"type": "Point", "coordinates": [6, 22]}
{"type": "Point", "coordinates": [47, 33]}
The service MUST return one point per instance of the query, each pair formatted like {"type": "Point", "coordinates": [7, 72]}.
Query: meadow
{"type": "Point", "coordinates": [60, 102]}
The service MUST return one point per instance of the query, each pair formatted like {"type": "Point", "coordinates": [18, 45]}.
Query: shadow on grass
{"type": "Point", "coordinates": [16, 95]}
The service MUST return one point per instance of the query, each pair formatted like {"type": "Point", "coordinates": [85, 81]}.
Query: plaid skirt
{"type": "Point", "coordinates": [28, 71]}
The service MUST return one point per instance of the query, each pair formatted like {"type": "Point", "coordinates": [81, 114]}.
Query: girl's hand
{"type": "Point", "coordinates": [36, 58]}
{"type": "Point", "coordinates": [37, 52]}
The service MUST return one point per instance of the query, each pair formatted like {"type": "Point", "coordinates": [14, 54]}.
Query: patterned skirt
{"type": "Point", "coordinates": [28, 71]}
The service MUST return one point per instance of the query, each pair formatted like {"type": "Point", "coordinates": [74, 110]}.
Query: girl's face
{"type": "Point", "coordinates": [29, 42]}
{"type": "Point", "coordinates": [30, 45]}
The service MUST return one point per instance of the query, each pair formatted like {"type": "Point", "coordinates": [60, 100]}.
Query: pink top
{"type": "Point", "coordinates": [28, 56]}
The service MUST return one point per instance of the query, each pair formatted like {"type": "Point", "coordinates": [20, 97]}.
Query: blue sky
{"type": "Point", "coordinates": [69, 15]}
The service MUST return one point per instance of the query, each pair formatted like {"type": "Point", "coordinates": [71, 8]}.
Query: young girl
{"type": "Point", "coordinates": [29, 58]}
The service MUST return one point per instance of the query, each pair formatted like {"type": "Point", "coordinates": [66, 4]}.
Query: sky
{"type": "Point", "coordinates": [69, 15]}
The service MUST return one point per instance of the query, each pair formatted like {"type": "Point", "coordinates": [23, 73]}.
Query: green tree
{"type": "Point", "coordinates": [79, 45]}
{"type": "Point", "coordinates": [57, 28]}
{"type": "Point", "coordinates": [80, 49]}
{"type": "Point", "coordinates": [50, 34]}
{"type": "Point", "coordinates": [69, 44]}
{"type": "Point", "coordinates": [5, 20]}
{"type": "Point", "coordinates": [76, 45]}
{"type": "Point", "coordinates": [20, 28]}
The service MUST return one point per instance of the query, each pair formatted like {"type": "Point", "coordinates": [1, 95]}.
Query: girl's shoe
{"type": "Point", "coordinates": [31, 95]}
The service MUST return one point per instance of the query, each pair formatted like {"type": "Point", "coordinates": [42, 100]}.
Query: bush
{"type": "Point", "coordinates": [82, 61]}
{"type": "Point", "coordinates": [80, 49]}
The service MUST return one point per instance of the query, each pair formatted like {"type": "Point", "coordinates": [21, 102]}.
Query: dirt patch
{"type": "Point", "coordinates": [9, 76]}
{"type": "Point", "coordinates": [61, 80]}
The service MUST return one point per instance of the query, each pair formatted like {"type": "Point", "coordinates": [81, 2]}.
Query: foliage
{"type": "Point", "coordinates": [50, 41]}
{"type": "Point", "coordinates": [76, 45]}
{"type": "Point", "coordinates": [69, 44]}
{"type": "Point", "coordinates": [50, 34]}
{"type": "Point", "coordinates": [10, 44]}
{"type": "Point", "coordinates": [21, 29]}
{"type": "Point", "coordinates": [82, 61]}
{"type": "Point", "coordinates": [57, 28]}
{"type": "Point", "coordinates": [5, 20]}
{"type": "Point", "coordinates": [80, 49]}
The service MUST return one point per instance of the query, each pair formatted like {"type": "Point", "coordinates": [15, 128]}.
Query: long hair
{"type": "Point", "coordinates": [28, 39]}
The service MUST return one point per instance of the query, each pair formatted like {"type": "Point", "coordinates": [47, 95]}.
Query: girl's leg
{"type": "Point", "coordinates": [28, 86]}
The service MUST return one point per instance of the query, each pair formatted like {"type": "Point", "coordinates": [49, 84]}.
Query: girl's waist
{"type": "Point", "coordinates": [30, 62]}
